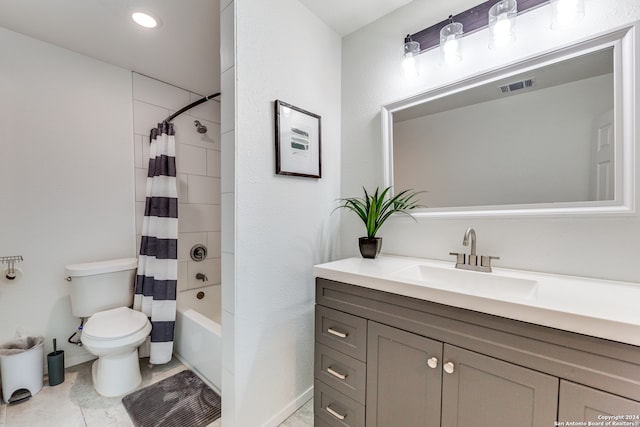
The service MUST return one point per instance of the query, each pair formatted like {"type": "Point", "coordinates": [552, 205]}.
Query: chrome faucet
{"type": "Point", "coordinates": [470, 262]}
{"type": "Point", "coordinates": [471, 233]}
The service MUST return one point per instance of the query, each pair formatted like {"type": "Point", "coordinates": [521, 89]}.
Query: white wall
{"type": "Point", "coordinates": [515, 159]}
{"type": "Point", "coordinates": [198, 169]}
{"type": "Point", "coordinates": [596, 247]}
{"type": "Point", "coordinates": [280, 226]}
{"type": "Point", "coordinates": [66, 179]}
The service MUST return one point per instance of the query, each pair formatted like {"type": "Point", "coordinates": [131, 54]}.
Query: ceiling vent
{"type": "Point", "coordinates": [515, 86]}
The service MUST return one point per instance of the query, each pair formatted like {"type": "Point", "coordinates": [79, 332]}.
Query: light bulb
{"type": "Point", "coordinates": [410, 67]}
{"type": "Point", "coordinates": [566, 12]}
{"type": "Point", "coordinates": [144, 20]}
{"type": "Point", "coordinates": [409, 63]}
{"type": "Point", "coordinates": [502, 20]}
{"type": "Point", "coordinates": [502, 27]}
{"type": "Point", "coordinates": [451, 46]}
{"type": "Point", "coordinates": [450, 42]}
{"type": "Point", "coordinates": [450, 50]}
{"type": "Point", "coordinates": [502, 31]}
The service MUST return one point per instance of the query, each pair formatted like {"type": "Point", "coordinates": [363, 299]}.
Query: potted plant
{"type": "Point", "coordinates": [374, 209]}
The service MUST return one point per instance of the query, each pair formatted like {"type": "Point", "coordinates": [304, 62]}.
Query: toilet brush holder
{"type": "Point", "coordinates": [55, 363]}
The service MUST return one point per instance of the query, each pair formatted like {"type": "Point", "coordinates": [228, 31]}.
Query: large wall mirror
{"type": "Point", "coordinates": [550, 135]}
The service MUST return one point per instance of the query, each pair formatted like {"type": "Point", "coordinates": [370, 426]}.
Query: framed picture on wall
{"type": "Point", "coordinates": [297, 141]}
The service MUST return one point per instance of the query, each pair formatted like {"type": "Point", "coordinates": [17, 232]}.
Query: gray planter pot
{"type": "Point", "coordinates": [370, 246]}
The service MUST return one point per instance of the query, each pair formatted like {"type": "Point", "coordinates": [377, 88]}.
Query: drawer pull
{"type": "Point", "coordinates": [337, 333]}
{"type": "Point", "coordinates": [449, 367]}
{"type": "Point", "coordinates": [433, 362]}
{"type": "Point", "coordinates": [335, 414]}
{"type": "Point", "coordinates": [336, 374]}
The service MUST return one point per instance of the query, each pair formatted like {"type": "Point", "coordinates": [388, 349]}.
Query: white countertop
{"type": "Point", "coordinates": [600, 308]}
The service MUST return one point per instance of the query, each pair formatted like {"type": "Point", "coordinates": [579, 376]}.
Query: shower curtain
{"type": "Point", "coordinates": [157, 275]}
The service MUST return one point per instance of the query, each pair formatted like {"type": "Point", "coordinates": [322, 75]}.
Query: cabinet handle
{"type": "Point", "coordinates": [337, 333]}
{"type": "Point", "coordinates": [335, 414]}
{"type": "Point", "coordinates": [336, 374]}
{"type": "Point", "coordinates": [433, 362]}
{"type": "Point", "coordinates": [449, 367]}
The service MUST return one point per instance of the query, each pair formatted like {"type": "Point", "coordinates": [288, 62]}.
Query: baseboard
{"type": "Point", "coordinates": [290, 409]}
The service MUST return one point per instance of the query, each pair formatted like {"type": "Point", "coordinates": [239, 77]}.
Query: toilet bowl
{"type": "Point", "coordinates": [101, 292]}
{"type": "Point", "coordinates": [114, 336]}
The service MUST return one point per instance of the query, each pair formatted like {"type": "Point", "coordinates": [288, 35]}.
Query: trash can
{"type": "Point", "coordinates": [21, 368]}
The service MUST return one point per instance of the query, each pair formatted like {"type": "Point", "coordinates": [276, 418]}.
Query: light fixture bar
{"type": "Point", "coordinates": [473, 19]}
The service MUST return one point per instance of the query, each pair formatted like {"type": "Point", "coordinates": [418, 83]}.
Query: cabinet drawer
{"type": "Point", "coordinates": [343, 332]}
{"type": "Point", "coordinates": [344, 373]}
{"type": "Point", "coordinates": [336, 409]}
{"type": "Point", "coordinates": [319, 422]}
{"type": "Point", "coordinates": [585, 404]}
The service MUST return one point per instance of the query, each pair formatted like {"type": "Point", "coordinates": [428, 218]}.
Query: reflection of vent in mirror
{"type": "Point", "coordinates": [514, 86]}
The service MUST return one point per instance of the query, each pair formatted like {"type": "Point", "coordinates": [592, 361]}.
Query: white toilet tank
{"type": "Point", "coordinates": [102, 285]}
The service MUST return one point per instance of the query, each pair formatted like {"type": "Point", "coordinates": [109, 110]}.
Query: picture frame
{"type": "Point", "coordinates": [298, 141]}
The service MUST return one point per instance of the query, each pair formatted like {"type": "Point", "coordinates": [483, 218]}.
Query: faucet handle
{"type": "Point", "coordinates": [485, 261]}
{"type": "Point", "coordinates": [460, 258]}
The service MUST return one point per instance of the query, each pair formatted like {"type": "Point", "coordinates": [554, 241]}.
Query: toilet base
{"type": "Point", "coordinates": [116, 375]}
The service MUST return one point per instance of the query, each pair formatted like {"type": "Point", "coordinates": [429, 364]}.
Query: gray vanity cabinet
{"type": "Point", "coordinates": [407, 385]}
{"type": "Point", "coordinates": [387, 360]}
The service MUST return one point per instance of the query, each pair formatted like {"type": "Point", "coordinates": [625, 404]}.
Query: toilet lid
{"type": "Point", "coordinates": [116, 323]}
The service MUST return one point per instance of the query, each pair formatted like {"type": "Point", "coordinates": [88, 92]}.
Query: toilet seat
{"type": "Point", "coordinates": [115, 324]}
{"type": "Point", "coordinates": [114, 336]}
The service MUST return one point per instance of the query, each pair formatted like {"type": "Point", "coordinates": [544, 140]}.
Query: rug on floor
{"type": "Point", "coordinates": [180, 400]}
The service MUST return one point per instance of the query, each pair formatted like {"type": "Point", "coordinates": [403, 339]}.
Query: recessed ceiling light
{"type": "Point", "coordinates": [145, 20]}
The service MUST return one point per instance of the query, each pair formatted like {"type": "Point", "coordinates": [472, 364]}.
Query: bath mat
{"type": "Point", "coordinates": [181, 400]}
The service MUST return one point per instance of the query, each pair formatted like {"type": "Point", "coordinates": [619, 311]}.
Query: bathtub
{"type": "Point", "coordinates": [198, 334]}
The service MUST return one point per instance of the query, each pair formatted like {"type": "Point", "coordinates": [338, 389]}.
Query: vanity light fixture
{"type": "Point", "coordinates": [499, 16]}
{"type": "Point", "coordinates": [411, 51]}
{"type": "Point", "coordinates": [565, 13]}
{"type": "Point", "coordinates": [502, 23]}
{"type": "Point", "coordinates": [450, 42]}
{"type": "Point", "coordinates": [145, 20]}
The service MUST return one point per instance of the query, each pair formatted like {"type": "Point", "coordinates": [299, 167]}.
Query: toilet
{"type": "Point", "coordinates": [102, 292]}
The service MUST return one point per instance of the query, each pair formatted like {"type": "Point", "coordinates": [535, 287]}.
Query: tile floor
{"type": "Point", "coordinates": [302, 418]}
{"type": "Point", "coordinates": [75, 403]}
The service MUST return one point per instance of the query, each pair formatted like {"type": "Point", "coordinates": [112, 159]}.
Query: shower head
{"type": "Point", "coordinates": [201, 128]}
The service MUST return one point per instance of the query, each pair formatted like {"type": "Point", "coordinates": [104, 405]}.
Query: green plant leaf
{"type": "Point", "coordinates": [374, 209]}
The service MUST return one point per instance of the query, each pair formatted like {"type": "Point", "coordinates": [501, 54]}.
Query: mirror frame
{"type": "Point", "coordinates": [624, 66]}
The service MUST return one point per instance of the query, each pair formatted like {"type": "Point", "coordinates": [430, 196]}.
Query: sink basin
{"type": "Point", "coordinates": [602, 308]}
{"type": "Point", "coordinates": [470, 282]}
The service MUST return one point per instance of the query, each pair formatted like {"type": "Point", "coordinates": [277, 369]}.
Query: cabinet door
{"type": "Point", "coordinates": [402, 388]}
{"type": "Point", "coordinates": [580, 403]}
{"type": "Point", "coordinates": [481, 391]}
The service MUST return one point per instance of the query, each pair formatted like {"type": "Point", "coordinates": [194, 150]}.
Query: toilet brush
{"type": "Point", "coordinates": [55, 363]}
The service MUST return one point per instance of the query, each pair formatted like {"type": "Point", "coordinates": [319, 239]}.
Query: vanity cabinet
{"type": "Point", "coordinates": [415, 381]}
{"type": "Point", "coordinates": [387, 360]}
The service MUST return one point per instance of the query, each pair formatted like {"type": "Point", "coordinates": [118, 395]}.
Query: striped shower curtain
{"type": "Point", "coordinates": [157, 276]}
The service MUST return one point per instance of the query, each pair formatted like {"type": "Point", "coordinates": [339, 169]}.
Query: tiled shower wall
{"type": "Point", "coordinates": [198, 169]}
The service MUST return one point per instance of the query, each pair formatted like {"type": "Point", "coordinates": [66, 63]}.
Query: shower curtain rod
{"type": "Point", "coordinates": [152, 132]}
{"type": "Point", "coordinates": [190, 106]}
